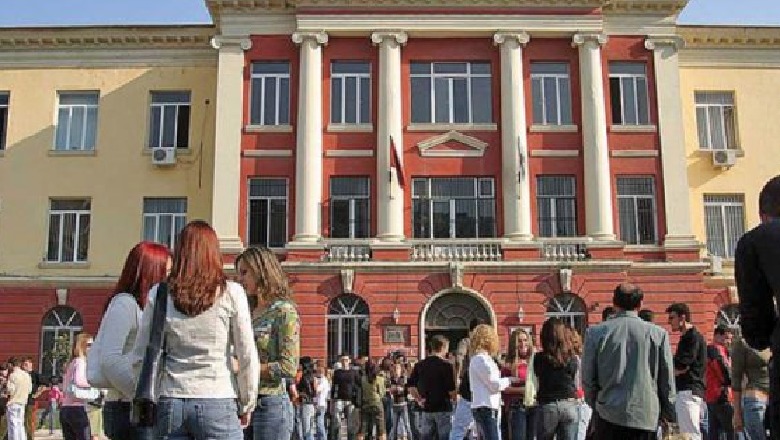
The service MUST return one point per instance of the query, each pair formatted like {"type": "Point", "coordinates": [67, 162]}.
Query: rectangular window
{"type": "Point", "coordinates": [725, 218]}
{"type": "Point", "coordinates": [163, 219]}
{"type": "Point", "coordinates": [551, 89]}
{"type": "Point", "coordinates": [556, 206]}
{"type": "Point", "coordinates": [715, 120]}
{"type": "Point", "coordinates": [267, 212]}
{"type": "Point", "coordinates": [3, 118]}
{"type": "Point", "coordinates": [452, 207]}
{"type": "Point", "coordinates": [628, 93]}
{"type": "Point", "coordinates": [350, 206]}
{"type": "Point", "coordinates": [76, 121]}
{"type": "Point", "coordinates": [451, 93]}
{"type": "Point", "coordinates": [69, 222]}
{"type": "Point", "coordinates": [270, 103]}
{"type": "Point", "coordinates": [350, 92]}
{"type": "Point", "coordinates": [636, 210]}
{"type": "Point", "coordinates": [169, 120]}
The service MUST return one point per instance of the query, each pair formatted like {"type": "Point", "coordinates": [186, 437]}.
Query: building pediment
{"type": "Point", "coordinates": [452, 144]}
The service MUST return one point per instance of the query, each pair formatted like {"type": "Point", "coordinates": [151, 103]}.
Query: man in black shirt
{"type": "Point", "coordinates": [756, 263]}
{"type": "Point", "coordinates": [343, 393]}
{"type": "Point", "coordinates": [689, 363]}
{"type": "Point", "coordinates": [432, 383]}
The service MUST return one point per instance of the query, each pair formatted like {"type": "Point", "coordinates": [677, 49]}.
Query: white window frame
{"type": "Point", "coordinates": [721, 108]}
{"type": "Point", "coordinates": [553, 201]}
{"type": "Point", "coordinates": [79, 213]}
{"type": "Point", "coordinates": [558, 77]}
{"type": "Point", "coordinates": [721, 206]}
{"type": "Point", "coordinates": [634, 77]}
{"type": "Point", "coordinates": [70, 107]}
{"type": "Point", "coordinates": [450, 77]}
{"type": "Point", "coordinates": [348, 317]}
{"type": "Point", "coordinates": [351, 199]}
{"type": "Point", "coordinates": [158, 217]}
{"type": "Point", "coordinates": [4, 119]}
{"type": "Point", "coordinates": [358, 102]}
{"type": "Point", "coordinates": [268, 199]}
{"type": "Point", "coordinates": [452, 219]}
{"type": "Point", "coordinates": [556, 308]}
{"type": "Point", "coordinates": [64, 326]}
{"type": "Point", "coordinates": [634, 199]}
{"type": "Point", "coordinates": [277, 78]}
{"type": "Point", "coordinates": [162, 106]}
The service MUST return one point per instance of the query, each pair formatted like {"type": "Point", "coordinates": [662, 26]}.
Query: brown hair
{"type": "Point", "coordinates": [575, 341]}
{"type": "Point", "coordinates": [271, 280]}
{"type": "Point", "coordinates": [484, 337]}
{"type": "Point", "coordinates": [196, 277]}
{"type": "Point", "coordinates": [556, 344]}
{"type": "Point", "coordinates": [81, 345]}
{"type": "Point", "coordinates": [511, 355]}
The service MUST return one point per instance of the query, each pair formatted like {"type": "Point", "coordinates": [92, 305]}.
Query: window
{"type": "Point", "coordinates": [3, 118]}
{"type": "Point", "coordinates": [551, 93]}
{"type": "Point", "coordinates": [169, 120]}
{"type": "Point", "coordinates": [350, 92]}
{"type": "Point", "coordinates": [715, 120]}
{"type": "Point", "coordinates": [725, 218]}
{"type": "Point", "coordinates": [268, 212]}
{"type": "Point", "coordinates": [68, 231]}
{"type": "Point", "coordinates": [628, 94]}
{"type": "Point", "coordinates": [164, 218]}
{"type": "Point", "coordinates": [728, 315]}
{"type": "Point", "coordinates": [451, 93]}
{"type": "Point", "coordinates": [347, 327]}
{"type": "Point", "coordinates": [270, 93]}
{"type": "Point", "coordinates": [58, 333]}
{"type": "Point", "coordinates": [556, 206]}
{"type": "Point", "coordinates": [636, 210]}
{"type": "Point", "coordinates": [570, 308]}
{"type": "Point", "coordinates": [349, 207]}
{"type": "Point", "coordinates": [76, 121]}
{"type": "Point", "coordinates": [454, 207]}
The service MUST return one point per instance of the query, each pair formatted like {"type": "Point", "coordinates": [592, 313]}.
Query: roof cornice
{"type": "Point", "coordinates": [105, 37]}
{"type": "Point", "coordinates": [705, 37]}
{"type": "Point", "coordinates": [658, 7]}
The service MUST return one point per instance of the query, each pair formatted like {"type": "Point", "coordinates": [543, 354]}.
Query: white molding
{"type": "Point", "coordinates": [265, 23]}
{"type": "Point", "coordinates": [118, 57]}
{"type": "Point", "coordinates": [730, 57]}
{"type": "Point", "coordinates": [225, 41]}
{"type": "Point", "coordinates": [72, 153]}
{"type": "Point", "coordinates": [267, 153]}
{"type": "Point", "coordinates": [349, 153]}
{"type": "Point", "coordinates": [552, 128]}
{"type": "Point", "coordinates": [644, 25]}
{"type": "Point", "coordinates": [634, 153]}
{"type": "Point", "coordinates": [57, 281]}
{"type": "Point", "coordinates": [452, 127]}
{"type": "Point", "coordinates": [287, 128]}
{"type": "Point", "coordinates": [64, 265]}
{"type": "Point", "coordinates": [555, 153]}
{"type": "Point", "coordinates": [645, 128]}
{"type": "Point", "coordinates": [682, 267]}
{"type": "Point", "coordinates": [450, 24]}
{"type": "Point", "coordinates": [477, 146]}
{"type": "Point", "coordinates": [500, 38]}
{"type": "Point", "coordinates": [350, 128]}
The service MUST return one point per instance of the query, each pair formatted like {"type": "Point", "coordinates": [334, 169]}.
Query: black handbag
{"type": "Point", "coordinates": [144, 412]}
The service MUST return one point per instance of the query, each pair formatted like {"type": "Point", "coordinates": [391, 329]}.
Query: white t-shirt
{"type": "Point", "coordinates": [323, 392]}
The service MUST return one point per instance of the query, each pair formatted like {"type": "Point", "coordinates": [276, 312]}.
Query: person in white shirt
{"type": "Point", "coordinates": [19, 388]}
{"type": "Point", "coordinates": [147, 264]}
{"type": "Point", "coordinates": [485, 380]}
{"type": "Point", "coordinates": [323, 392]}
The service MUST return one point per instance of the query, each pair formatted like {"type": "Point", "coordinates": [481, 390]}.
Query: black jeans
{"type": "Point", "coordinates": [773, 407]}
{"type": "Point", "coordinates": [610, 431]}
{"type": "Point", "coordinates": [75, 424]}
{"type": "Point", "coordinates": [719, 416]}
{"type": "Point", "coordinates": [117, 426]}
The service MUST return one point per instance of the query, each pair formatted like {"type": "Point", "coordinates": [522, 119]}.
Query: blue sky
{"type": "Point", "coordinates": [85, 12]}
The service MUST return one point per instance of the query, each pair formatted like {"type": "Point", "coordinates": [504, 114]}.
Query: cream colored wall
{"type": "Point", "coordinates": [758, 130]}
{"type": "Point", "coordinates": [116, 178]}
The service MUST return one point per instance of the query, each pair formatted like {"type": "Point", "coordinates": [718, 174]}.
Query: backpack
{"type": "Point", "coordinates": [717, 377]}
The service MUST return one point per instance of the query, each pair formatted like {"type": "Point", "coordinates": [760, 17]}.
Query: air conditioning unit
{"type": "Point", "coordinates": [724, 158]}
{"type": "Point", "coordinates": [164, 156]}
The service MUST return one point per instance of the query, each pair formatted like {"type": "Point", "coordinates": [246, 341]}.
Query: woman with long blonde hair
{"type": "Point", "coordinates": [485, 380]}
{"type": "Point", "coordinates": [277, 335]}
{"type": "Point", "coordinates": [521, 348]}
{"type": "Point", "coordinates": [73, 413]}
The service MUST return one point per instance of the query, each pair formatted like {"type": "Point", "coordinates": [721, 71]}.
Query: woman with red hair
{"type": "Point", "coordinates": [146, 265]}
{"type": "Point", "coordinates": [207, 324]}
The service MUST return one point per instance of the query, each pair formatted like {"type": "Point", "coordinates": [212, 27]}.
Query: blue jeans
{"type": "Point", "coordinates": [307, 413]}
{"type": "Point", "coordinates": [116, 423]}
{"type": "Point", "coordinates": [321, 433]}
{"type": "Point", "coordinates": [518, 419]}
{"type": "Point", "coordinates": [753, 411]}
{"type": "Point", "coordinates": [584, 413]}
{"type": "Point", "coordinates": [197, 419]}
{"type": "Point", "coordinates": [487, 422]}
{"type": "Point", "coordinates": [400, 426]}
{"type": "Point", "coordinates": [273, 418]}
{"type": "Point", "coordinates": [558, 420]}
{"type": "Point", "coordinates": [461, 419]}
{"type": "Point", "coordinates": [438, 422]}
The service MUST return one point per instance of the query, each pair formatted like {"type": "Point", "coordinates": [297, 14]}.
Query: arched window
{"type": "Point", "coordinates": [348, 327]}
{"type": "Point", "coordinates": [728, 315]}
{"type": "Point", "coordinates": [58, 332]}
{"type": "Point", "coordinates": [570, 308]}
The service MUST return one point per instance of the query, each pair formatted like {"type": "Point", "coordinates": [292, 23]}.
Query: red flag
{"type": "Point", "coordinates": [395, 162]}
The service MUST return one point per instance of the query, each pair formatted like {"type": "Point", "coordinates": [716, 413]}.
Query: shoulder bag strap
{"type": "Point", "coordinates": [150, 369]}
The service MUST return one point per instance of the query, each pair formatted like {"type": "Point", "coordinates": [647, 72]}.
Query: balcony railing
{"type": "Point", "coordinates": [348, 252]}
{"type": "Point", "coordinates": [565, 249]}
{"type": "Point", "coordinates": [449, 250]}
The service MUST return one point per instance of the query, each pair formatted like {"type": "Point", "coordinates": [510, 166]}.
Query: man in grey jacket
{"type": "Point", "coordinates": [627, 372]}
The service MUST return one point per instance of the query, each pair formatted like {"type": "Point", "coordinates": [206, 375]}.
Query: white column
{"type": "Point", "coordinates": [308, 152]}
{"type": "Point", "coordinates": [672, 135]}
{"type": "Point", "coordinates": [598, 189]}
{"type": "Point", "coordinates": [390, 195]}
{"type": "Point", "coordinates": [227, 141]}
{"type": "Point", "coordinates": [515, 172]}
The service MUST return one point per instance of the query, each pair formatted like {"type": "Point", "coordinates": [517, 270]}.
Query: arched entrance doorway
{"type": "Point", "coordinates": [449, 313]}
